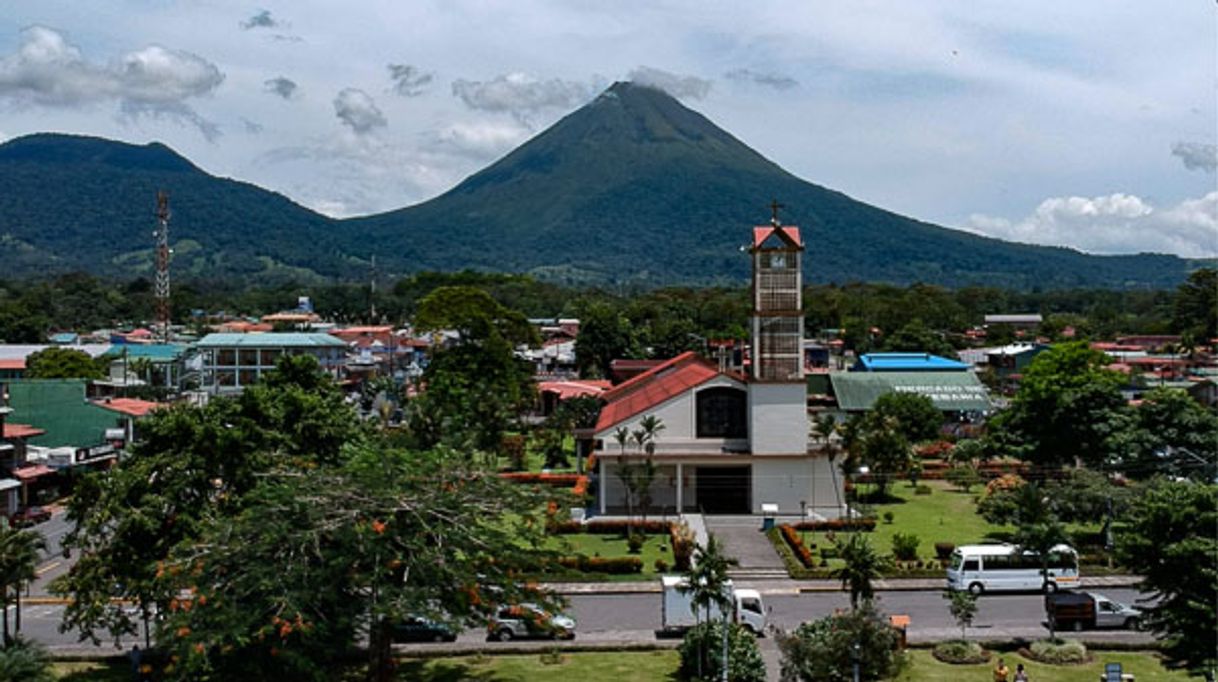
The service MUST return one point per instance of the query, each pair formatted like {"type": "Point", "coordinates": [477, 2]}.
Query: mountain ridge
{"type": "Point", "coordinates": [632, 187]}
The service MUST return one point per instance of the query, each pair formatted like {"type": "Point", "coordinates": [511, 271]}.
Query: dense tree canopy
{"type": "Point", "coordinates": [64, 363]}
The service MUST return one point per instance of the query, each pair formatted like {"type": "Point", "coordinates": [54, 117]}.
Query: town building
{"type": "Point", "coordinates": [732, 443]}
{"type": "Point", "coordinates": [230, 362]}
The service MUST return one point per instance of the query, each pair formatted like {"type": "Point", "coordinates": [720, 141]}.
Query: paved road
{"type": "Point", "coordinates": [636, 617]}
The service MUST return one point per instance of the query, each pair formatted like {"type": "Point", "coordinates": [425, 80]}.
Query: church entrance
{"type": "Point", "coordinates": [724, 489]}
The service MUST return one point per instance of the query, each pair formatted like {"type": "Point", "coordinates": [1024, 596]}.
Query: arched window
{"type": "Point", "coordinates": [722, 413]}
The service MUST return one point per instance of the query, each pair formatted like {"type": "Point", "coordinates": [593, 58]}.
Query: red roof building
{"type": "Point", "coordinates": [132, 407]}
{"type": "Point", "coordinates": [21, 431]}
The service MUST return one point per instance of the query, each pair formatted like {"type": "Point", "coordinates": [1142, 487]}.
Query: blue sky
{"type": "Point", "coordinates": [1087, 124]}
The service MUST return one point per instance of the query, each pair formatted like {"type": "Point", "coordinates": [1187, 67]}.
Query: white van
{"type": "Point", "coordinates": [1003, 568]}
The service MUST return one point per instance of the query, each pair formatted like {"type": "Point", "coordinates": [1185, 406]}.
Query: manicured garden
{"type": "Point", "coordinates": [922, 667]}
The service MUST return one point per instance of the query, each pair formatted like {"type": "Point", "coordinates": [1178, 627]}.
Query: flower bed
{"type": "Point", "coordinates": [608, 565]}
{"type": "Point", "coordinates": [611, 527]}
{"type": "Point", "coordinates": [801, 551]}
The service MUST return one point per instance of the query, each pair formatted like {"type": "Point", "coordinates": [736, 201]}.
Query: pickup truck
{"type": "Point", "coordinates": [1085, 610]}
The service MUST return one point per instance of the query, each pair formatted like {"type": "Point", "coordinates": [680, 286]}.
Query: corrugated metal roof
{"type": "Point", "coordinates": [271, 340]}
{"type": "Point", "coordinates": [163, 352]}
{"type": "Point", "coordinates": [655, 386]}
{"type": "Point", "coordinates": [888, 362]}
{"type": "Point", "coordinates": [949, 391]}
{"type": "Point", "coordinates": [58, 406]}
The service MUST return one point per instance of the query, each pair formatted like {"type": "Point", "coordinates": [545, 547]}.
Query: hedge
{"type": "Point", "coordinates": [797, 546]}
{"type": "Point", "coordinates": [866, 525]}
{"type": "Point", "coordinates": [610, 565]}
{"type": "Point", "coordinates": [610, 527]}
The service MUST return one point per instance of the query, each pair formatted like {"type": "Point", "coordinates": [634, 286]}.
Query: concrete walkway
{"type": "Point", "coordinates": [742, 538]}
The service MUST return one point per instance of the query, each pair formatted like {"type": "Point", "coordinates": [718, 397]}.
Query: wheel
{"type": "Point", "coordinates": [1078, 626]}
{"type": "Point", "coordinates": [1050, 588]}
{"type": "Point", "coordinates": [1133, 624]}
{"type": "Point", "coordinates": [439, 638]}
{"type": "Point", "coordinates": [976, 589]}
{"type": "Point", "coordinates": [504, 635]}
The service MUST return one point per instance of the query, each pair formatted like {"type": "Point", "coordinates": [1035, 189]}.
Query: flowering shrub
{"type": "Point", "coordinates": [797, 545]}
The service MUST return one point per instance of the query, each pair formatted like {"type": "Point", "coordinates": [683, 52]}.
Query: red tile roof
{"type": "Point", "coordinates": [657, 385]}
{"type": "Point", "coordinates": [12, 363]}
{"type": "Point", "coordinates": [21, 431]}
{"type": "Point", "coordinates": [132, 407]}
{"type": "Point", "coordinates": [31, 472]}
{"type": "Point", "coordinates": [763, 232]}
{"type": "Point", "coordinates": [566, 390]}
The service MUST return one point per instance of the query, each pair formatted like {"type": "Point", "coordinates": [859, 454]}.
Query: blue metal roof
{"type": "Point", "coordinates": [156, 352]}
{"type": "Point", "coordinates": [63, 337]}
{"type": "Point", "coordinates": [271, 340]}
{"type": "Point", "coordinates": [907, 362]}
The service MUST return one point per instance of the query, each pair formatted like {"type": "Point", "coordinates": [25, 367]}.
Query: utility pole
{"type": "Point", "coordinates": [372, 294]}
{"type": "Point", "coordinates": [162, 265]}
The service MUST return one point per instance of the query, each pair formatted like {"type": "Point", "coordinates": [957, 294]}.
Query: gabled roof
{"type": "Point", "coordinates": [788, 233]}
{"type": "Point", "coordinates": [272, 340]}
{"type": "Point", "coordinates": [21, 431]}
{"type": "Point", "coordinates": [653, 387]}
{"type": "Point", "coordinates": [566, 390]}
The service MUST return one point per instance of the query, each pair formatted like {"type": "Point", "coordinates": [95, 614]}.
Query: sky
{"type": "Point", "coordinates": [1083, 124]}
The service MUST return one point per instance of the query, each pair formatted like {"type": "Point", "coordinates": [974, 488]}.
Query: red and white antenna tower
{"type": "Point", "coordinates": [162, 265]}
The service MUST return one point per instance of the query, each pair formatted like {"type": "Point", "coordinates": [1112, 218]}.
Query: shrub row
{"type": "Point", "coordinates": [791, 536]}
{"type": "Point", "coordinates": [554, 480]}
{"type": "Point", "coordinates": [610, 527]}
{"type": "Point", "coordinates": [611, 565]}
{"type": "Point", "coordinates": [865, 524]}
{"type": "Point", "coordinates": [1062, 652]}
{"type": "Point", "coordinates": [959, 652]}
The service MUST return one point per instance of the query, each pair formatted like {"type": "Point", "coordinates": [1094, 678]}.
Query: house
{"type": "Point", "coordinates": [230, 362]}
{"type": "Point", "coordinates": [129, 411]}
{"type": "Point", "coordinates": [1011, 360]}
{"type": "Point", "coordinates": [957, 394]}
{"type": "Point", "coordinates": [1016, 321]}
{"type": "Point", "coordinates": [731, 442]}
{"type": "Point", "coordinates": [142, 364]}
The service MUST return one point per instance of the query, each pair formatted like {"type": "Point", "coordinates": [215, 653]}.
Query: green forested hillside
{"type": "Point", "coordinates": [632, 188]}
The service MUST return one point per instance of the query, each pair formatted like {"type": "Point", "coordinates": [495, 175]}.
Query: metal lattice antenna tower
{"type": "Point", "coordinates": [162, 265]}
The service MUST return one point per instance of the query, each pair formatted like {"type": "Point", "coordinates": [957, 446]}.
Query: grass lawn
{"type": "Point", "coordinates": [587, 667]}
{"type": "Point", "coordinates": [924, 668]}
{"type": "Point", "coordinates": [612, 545]}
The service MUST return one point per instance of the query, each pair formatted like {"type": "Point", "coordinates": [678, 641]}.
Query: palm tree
{"type": "Point", "coordinates": [651, 427]}
{"type": "Point", "coordinates": [1039, 532]}
{"type": "Point", "coordinates": [18, 558]}
{"type": "Point", "coordinates": [863, 566]}
{"type": "Point", "coordinates": [625, 473]}
{"type": "Point", "coordinates": [706, 582]}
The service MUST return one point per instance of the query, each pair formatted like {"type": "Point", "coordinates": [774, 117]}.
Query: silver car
{"type": "Point", "coordinates": [529, 621]}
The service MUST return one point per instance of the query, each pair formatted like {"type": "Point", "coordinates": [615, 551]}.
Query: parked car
{"type": "Point", "coordinates": [29, 516]}
{"type": "Point", "coordinates": [1079, 610]}
{"type": "Point", "coordinates": [419, 629]}
{"type": "Point", "coordinates": [529, 621]}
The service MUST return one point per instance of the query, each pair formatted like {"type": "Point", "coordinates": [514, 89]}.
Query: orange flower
{"type": "Point", "coordinates": [183, 631]}
{"type": "Point", "coordinates": [173, 604]}
{"type": "Point", "coordinates": [285, 630]}
{"type": "Point", "coordinates": [378, 527]}
{"type": "Point", "coordinates": [199, 647]}
{"type": "Point", "coordinates": [202, 600]}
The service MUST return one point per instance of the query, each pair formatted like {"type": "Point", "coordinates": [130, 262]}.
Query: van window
{"type": "Point", "coordinates": [971, 564]}
{"type": "Point", "coordinates": [753, 605]}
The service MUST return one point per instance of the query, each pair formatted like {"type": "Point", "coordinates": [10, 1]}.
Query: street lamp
{"type": "Point", "coordinates": [854, 655]}
{"type": "Point", "coordinates": [862, 471]}
{"type": "Point", "coordinates": [803, 516]}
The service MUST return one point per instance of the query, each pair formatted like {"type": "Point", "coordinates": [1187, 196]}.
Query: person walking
{"type": "Point", "coordinates": [1020, 674]}
{"type": "Point", "coordinates": [1001, 671]}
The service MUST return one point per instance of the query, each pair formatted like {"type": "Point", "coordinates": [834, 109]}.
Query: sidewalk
{"type": "Point", "coordinates": [792, 587]}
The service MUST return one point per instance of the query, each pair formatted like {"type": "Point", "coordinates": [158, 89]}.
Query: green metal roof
{"type": "Point", "coordinates": [155, 352]}
{"type": "Point", "coordinates": [949, 391]}
{"type": "Point", "coordinates": [271, 340]}
{"type": "Point", "coordinates": [58, 406]}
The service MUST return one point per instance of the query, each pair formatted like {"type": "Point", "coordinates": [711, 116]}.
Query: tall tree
{"type": "Point", "coordinates": [1068, 408]}
{"type": "Point", "coordinates": [706, 583]}
{"type": "Point", "coordinates": [604, 335]}
{"type": "Point", "coordinates": [63, 363]}
{"type": "Point", "coordinates": [914, 415]}
{"type": "Point", "coordinates": [1173, 435]}
{"type": "Point", "coordinates": [1195, 310]}
{"type": "Point", "coordinates": [1168, 538]}
{"type": "Point", "coordinates": [18, 558]}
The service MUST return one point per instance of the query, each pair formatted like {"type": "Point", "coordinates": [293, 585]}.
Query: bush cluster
{"type": "Point", "coordinates": [905, 546]}
{"type": "Point", "coordinates": [959, 652]}
{"type": "Point", "coordinates": [943, 550]}
{"type": "Point", "coordinates": [1061, 652]}
{"type": "Point", "coordinates": [824, 649]}
{"type": "Point", "coordinates": [611, 565]}
{"type": "Point", "coordinates": [683, 540]}
{"type": "Point", "coordinates": [611, 527]}
{"type": "Point", "coordinates": [833, 525]}
{"type": "Point", "coordinates": [705, 641]}
{"type": "Point", "coordinates": [796, 543]}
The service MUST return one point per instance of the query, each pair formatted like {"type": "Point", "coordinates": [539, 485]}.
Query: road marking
{"type": "Point", "coordinates": [47, 567]}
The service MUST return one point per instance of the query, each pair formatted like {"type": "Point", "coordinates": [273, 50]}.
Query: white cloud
{"type": "Point", "coordinates": [681, 87]}
{"type": "Point", "coordinates": [47, 70]}
{"type": "Point", "coordinates": [408, 81]}
{"type": "Point", "coordinates": [481, 141]}
{"type": "Point", "coordinates": [1117, 223]}
{"type": "Point", "coordinates": [521, 94]}
{"type": "Point", "coordinates": [356, 108]}
{"type": "Point", "coordinates": [281, 86]}
{"type": "Point", "coordinates": [1197, 156]}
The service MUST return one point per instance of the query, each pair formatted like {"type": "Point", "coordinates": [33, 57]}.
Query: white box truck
{"type": "Point", "coordinates": [677, 607]}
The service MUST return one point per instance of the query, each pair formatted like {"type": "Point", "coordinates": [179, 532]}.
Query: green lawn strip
{"type": "Point", "coordinates": [92, 671]}
{"type": "Point", "coordinates": [612, 546]}
{"type": "Point", "coordinates": [586, 667]}
{"type": "Point", "coordinates": [923, 667]}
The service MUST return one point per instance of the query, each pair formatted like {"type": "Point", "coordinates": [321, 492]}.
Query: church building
{"type": "Point", "coordinates": [730, 442]}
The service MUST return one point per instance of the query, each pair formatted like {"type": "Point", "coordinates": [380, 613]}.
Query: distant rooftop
{"type": "Point", "coordinates": [272, 340]}
{"type": "Point", "coordinates": [1028, 318]}
{"type": "Point", "coordinates": [907, 362]}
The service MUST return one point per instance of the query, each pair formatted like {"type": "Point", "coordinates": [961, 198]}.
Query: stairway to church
{"type": "Point", "coordinates": [742, 538]}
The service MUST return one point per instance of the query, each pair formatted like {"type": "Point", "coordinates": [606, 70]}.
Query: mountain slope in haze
{"type": "Point", "coordinates": [635, 186]}
{"type": "Point", "coordinates": [82, 203]}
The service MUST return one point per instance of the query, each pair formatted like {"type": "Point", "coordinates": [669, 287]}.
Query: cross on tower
{"type": "Point", "coordinates": [774, 207]}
